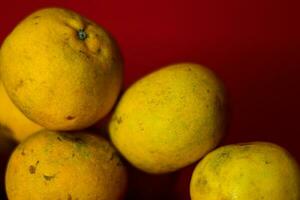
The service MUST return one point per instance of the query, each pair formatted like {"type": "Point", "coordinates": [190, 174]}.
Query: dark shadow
{"type": "Point", "coordinates": [7, 145]}
{"type": "Point", "coordinates": [181, 189]}
{"type": "Point", "coordinates": [144, 186]}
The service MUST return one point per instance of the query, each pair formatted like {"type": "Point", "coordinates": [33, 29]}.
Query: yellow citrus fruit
{"type": "Point", "coordinates": [61, 70]}
{"type": "Point", "coordinates": [248, 171]}
{"type": "Point", "coordinates": [54, 165]}
{"type": "Point", "coordinates": [170, 118]}
{"type": "Point", "coordinates": [18, 126]}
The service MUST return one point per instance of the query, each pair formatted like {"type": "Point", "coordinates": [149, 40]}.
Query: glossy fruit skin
{"type": "Point", "coordinates": [60, 69]}
{"type": "Point", "coordinates": [60, 165]}
{"type": "Point", "coordinates": [18, 126]}
{"type": "Point", "coordinates": [248, 171]}
{"type": "Point", "coordinates": [170, 118]}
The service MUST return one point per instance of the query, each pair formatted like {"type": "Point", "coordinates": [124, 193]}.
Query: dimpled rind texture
{"type": "Point", "coordinates": [170, 118]}
{"type": "Point", "coordinates": [16, 124]}
{"type": "Point", "coordinates": [55, 165]}
{"type": "Point", "coordinates": [248, 171]}
{"type": "Point", "coordinates": [56, 79]}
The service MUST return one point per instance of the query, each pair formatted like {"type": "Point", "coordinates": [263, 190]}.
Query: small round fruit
{"type": "Point", "coordinates": [247, 171]}
{"type": "Point", "coordinates": [52, 165]}
{"type": "Point", "coordinates": [61, 70]}
{"type": "Point", "coordinates": [170, 118]}
{"type": "Point", "coordinates": [17, 124]}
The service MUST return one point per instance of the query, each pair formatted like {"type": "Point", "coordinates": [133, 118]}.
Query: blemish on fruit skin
{"type": "Point", "coordinates": [224, 155]}
{"type": "Point", "coordinates": [221, 159]}
{"type": "Point", "coordinates": [19, 85]}
{"type": "Point", "coordinates": [70, 117]}
{"type": "Point", "coordinates": [32, 169]}
{"type": "Point", "coordinates": [84, 53]}
{"type": "Point", "coordinates": [72, 139]}
{"type": "Point", "coordinates": [48, 178]}
{"type": "Point", "coordinates": [69, 197]}
{"type": "Point", "coordinates": [119, 120]}
{"type": "Point", "coordinates": [267, 162]}
{"type": "Point", "coordinates": [202, 182]}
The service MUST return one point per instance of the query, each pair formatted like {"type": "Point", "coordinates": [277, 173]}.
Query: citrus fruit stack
{"type": "Point", "coordinates": [61, 73]}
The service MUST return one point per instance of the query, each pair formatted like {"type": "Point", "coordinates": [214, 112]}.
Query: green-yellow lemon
{"type": "Point", "coordinates": [170, 118]}
{"type": "Point", "coordinates": [248, 171]}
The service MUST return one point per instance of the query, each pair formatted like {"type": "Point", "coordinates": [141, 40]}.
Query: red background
{"type": "Point", "coordinates": [253, 45]}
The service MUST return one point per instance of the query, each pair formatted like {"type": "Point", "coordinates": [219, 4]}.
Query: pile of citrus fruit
{"type": "Point", "coordinates": [61, 73]}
